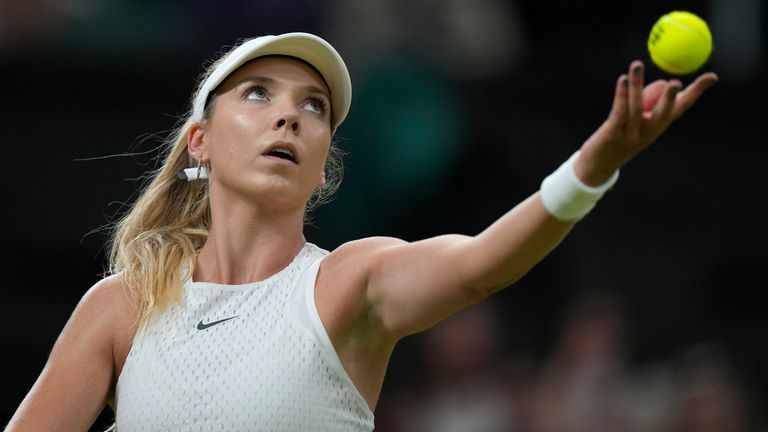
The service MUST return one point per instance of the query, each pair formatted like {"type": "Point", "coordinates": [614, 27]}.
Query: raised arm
{"type": "Point", "coordinates": [411, 286]}
{"type": "Point", "coordinates": [78, 378]}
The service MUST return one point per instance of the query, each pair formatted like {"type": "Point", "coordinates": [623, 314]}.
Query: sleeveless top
{"type": "Point", "coordinates": [250, 357]}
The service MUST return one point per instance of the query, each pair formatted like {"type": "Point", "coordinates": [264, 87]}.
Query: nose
{"type": "Point", "coordinates": [287, 119]}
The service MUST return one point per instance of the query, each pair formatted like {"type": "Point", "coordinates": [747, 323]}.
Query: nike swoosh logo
{"type": "Point", "coordinates": [202, 326]}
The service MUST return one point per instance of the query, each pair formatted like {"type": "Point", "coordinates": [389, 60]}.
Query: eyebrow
{"type": "Point", "coordinates": [272, 81]}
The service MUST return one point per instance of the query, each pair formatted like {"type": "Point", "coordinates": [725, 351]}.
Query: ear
{"type": "Point", "coordinates": [322, 179]}
{"type": "Point", "coordinates": [196, 143]}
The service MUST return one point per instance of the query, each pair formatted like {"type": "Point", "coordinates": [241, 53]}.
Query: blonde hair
{"type": "Point", "coordinates": [154, 245]}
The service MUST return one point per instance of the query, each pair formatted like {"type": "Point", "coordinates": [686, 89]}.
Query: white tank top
{"type": "Point", "coordinates": [251, 357]}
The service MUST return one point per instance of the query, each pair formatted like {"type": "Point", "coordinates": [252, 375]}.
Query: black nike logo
{"type": "Point", "coordinates": [202, 326]}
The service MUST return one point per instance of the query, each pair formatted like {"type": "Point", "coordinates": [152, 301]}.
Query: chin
{"type": "Point", "coordinates": [283, 195]}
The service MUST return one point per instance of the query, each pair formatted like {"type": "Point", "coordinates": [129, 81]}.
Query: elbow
{"type": "Point", "coordinates": [487, 271]}
{"type": "Point", "coordinates": [486, 288]}
{"type": "Point", "coordinates": [485, 277]}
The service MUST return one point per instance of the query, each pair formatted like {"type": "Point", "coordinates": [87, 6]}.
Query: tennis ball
{"type": "Point", "coordinates": [680, 42]}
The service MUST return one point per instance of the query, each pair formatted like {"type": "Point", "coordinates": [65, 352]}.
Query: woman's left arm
{"type": "Point", "coordinates": [412, 286]}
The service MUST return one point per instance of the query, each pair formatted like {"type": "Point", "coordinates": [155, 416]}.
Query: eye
{"type": "Point", "coordinates": [256, 92]}
{"type": "Point", "coordinates": [316, 105]}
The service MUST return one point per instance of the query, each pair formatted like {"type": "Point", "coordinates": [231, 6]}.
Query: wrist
{"type": "Point", "coordinates": [589, 171]}
{"type": "Point", "coordinates": [567, 197]}
{"type": "Point", "coordinates": [593, 167]}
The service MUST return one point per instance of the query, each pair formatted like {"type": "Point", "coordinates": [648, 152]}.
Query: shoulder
{"type": "Point", "coordinates": [106, 299]}
{"type": "Point", "coordinates": [80, 373]}
{"type": "Point", "coordinates": [105, 314]}
{"type": "Point", "coordinates": [356, 253]}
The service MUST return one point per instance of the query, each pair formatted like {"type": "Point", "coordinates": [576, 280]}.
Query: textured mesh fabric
{"type": "Point", "coordinates": [251, 357]}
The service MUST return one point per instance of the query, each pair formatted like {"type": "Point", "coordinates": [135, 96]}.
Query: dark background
{"type": "Point", "coordinates": [459, 110]}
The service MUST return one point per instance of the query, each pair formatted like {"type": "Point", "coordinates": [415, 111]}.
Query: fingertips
{"type": "Point", "coordinates": [710, 76]}
{"type": "Point", "coordinates": [636, 73]}
{"type": "Point", "coordinates": [619, 109]}
{"type": "Point", "coordinates": [688, 96]}
{"type": "Point", "coordinates": [702, 83]}
{"type": "Point", "coordinates": [663, 111]}
{"type": "Point", "coordinates": [709, 79]}
{"type": "Point", "coordinates": [622, 84]}
{"type": "Point", "coordinates": [635, 96]}
{"type": "Point", "coordinates": [674, 86]}
{"type": "Point", "coordinates": [671, 96]}
{"type": "Point", "coordinates": [668, 96]}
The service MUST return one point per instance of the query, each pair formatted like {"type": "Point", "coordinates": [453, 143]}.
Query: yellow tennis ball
{"type": "Point", "coordinates": [680, 42]}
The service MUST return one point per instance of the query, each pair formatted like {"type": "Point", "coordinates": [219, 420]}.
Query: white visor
{"type": "Point", "coordinates": [304, 46]}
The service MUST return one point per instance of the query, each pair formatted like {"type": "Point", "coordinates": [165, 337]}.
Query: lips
{"type": "Point", "coordinates": [282, 150]}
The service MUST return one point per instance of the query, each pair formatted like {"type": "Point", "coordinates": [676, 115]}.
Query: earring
{"type": "Point", "coordinates": [195, 173]}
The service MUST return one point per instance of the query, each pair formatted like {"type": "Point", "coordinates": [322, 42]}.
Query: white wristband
{"type": "Point", "coordinates": [566, 197]}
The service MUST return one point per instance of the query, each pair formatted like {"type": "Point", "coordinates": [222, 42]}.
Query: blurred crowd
{"type": "Point", "coordinates": [586, 382]}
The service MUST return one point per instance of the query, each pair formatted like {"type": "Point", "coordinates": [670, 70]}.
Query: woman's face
{"type": "Point", "coordinates": [269, 133]}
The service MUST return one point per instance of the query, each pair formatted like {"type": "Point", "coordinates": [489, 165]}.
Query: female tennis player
{"type": "Point", "coordinates": [219, 315]}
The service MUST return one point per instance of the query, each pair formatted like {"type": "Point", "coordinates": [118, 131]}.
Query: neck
{"type": "Point", "coordinates": [248, 242]}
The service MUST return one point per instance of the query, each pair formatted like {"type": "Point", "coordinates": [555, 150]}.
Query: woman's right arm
{"type": "Point", "coordinates": [78, 378]}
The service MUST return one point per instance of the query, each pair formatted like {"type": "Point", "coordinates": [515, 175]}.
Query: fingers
{"type": "Point", "coordinates": [691, 94]}
{"type": "Point", "coordinates": [635, 97]}
{"type": "Point", "coordinates": [619, 108]}
{"type": "Point", "coordinates": [652, 93]}
{"type": "Point", "coordinates": [646, 111]}
{"type": "Point", "coordinates": [661, 116]}
{"type": "Point", "coordinates": [631, 99]}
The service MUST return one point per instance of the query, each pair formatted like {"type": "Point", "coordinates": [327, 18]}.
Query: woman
{"type": "Point", "coordinates": [219, 315]}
